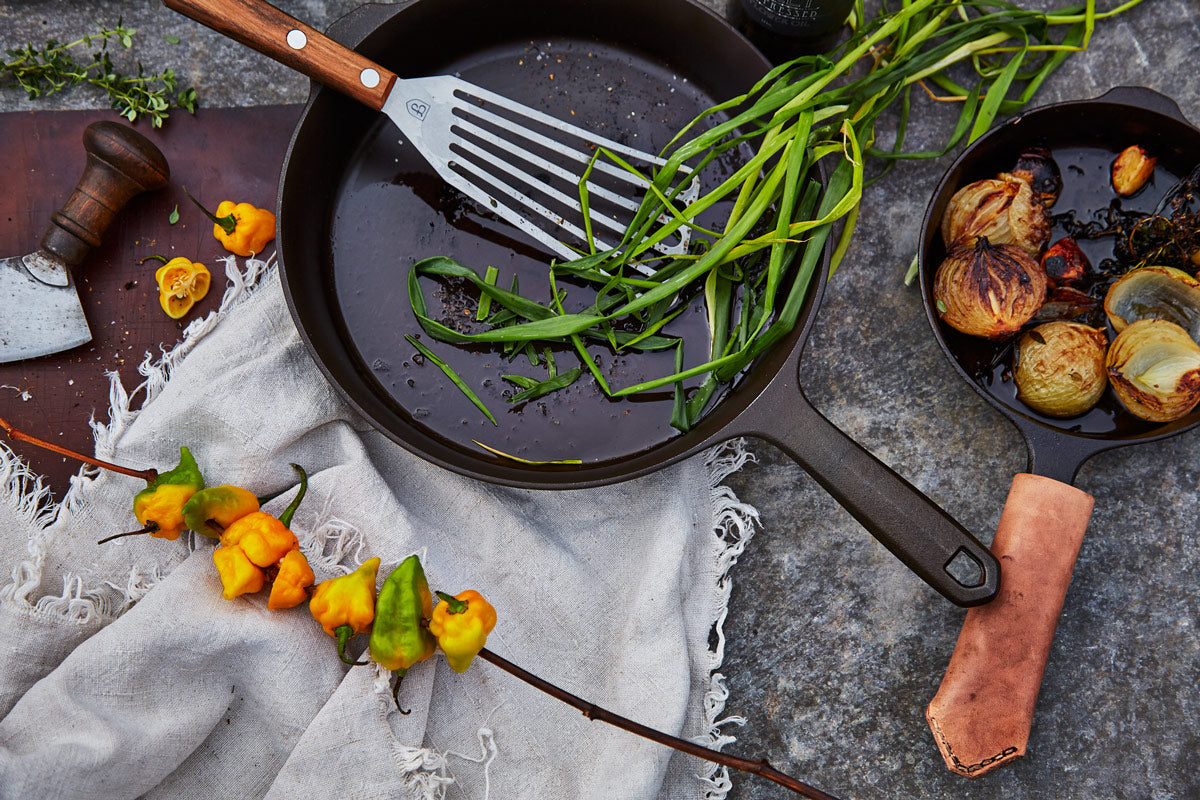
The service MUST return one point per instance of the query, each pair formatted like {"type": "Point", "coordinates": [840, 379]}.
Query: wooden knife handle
{"type": "Point", "coordinates": [262, 27]}
{"type": "Point", "coordinates": [982, 712]}
{"type": "Point", "coordinates": [121, 163]}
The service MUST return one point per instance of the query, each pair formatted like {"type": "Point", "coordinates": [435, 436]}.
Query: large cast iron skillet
{"type": "Point", "coordinates": [331, 250]}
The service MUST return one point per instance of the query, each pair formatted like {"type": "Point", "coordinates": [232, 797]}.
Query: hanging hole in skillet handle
{"type": "Point", "coordinates": [965, 569]}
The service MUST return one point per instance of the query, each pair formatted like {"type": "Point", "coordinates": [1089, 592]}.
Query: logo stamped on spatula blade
{"type": "Point", "coordinates": [418, 108]}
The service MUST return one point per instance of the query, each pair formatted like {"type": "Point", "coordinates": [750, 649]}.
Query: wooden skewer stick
{"type": "Point", "coordinates": [147, 475]}
{"type": "Point", "coordinates": [760, 767]}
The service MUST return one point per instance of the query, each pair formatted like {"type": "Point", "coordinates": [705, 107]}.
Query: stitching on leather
{"type": "Point", "coordinates": [955, 763]}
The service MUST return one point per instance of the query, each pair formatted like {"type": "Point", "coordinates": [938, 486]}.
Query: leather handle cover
{"type": "Point", "coordinates": [121, 163]}
{"type": "Point", "coordinates": [983, 710]}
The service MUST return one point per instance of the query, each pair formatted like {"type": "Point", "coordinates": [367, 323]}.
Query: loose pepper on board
{"type": "Point", "coordinates": [345, 605]}
{"type": "Point", "coordinates": [461, 625]}
{"type": "Point", "coordinates": [159, 507]}
{"type": "Point", "coordinates": [181, 284]}
{"type": "Point", "coordinates": [241, 228]}
{"type": "Point", "coordinates": [399, 637]}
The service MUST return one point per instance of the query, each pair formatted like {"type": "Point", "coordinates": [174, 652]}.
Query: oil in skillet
{"type": "Point", "coordinates": [391, 211]}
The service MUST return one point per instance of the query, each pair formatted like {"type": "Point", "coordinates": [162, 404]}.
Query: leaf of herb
{"type": "Point", "coordinates": [452, 375]}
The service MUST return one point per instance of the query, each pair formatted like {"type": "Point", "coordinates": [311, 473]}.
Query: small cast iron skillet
{"type": "Point", "coordinates": [355, 210]}
{"type": "Point", "coordinates": [1085, 135]}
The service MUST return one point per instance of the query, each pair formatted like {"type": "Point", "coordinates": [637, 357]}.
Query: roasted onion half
{"type": "Point", "coordinates": [1154, 368]}
{"type": "Point", "coordinates": [1005, 209]}
{"type": "Point", "coordinates": [1155, 293]}
{"type": "Point", "coordinates": [1060, 369]}
{"type": "Point", "coordinates": [988, 290]}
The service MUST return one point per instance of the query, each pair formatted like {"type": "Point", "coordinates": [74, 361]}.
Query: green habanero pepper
{"type": "Point", "coordinates": [159, 507]}
{"type": "Point", "coordinates": [212, 510]}
{"type": "Point", "coordinates": [399, 637]}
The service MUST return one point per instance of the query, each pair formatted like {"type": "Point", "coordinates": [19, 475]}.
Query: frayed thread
{"type": "Point", "coordinates": [25, 493]}
{"type": "Point", "coordinates": [734, 526]}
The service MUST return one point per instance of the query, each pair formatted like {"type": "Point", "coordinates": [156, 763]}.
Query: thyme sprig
{"type": "Point", "coordinates": [54, 68]}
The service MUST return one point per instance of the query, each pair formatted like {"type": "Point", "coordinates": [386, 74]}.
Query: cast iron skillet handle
{"type": "Point", "coordinates": [982, 712]}
{"type": "Point", "coordinates": [1141, 97]}
{"type": "Point", "coordinates": [927, 539]}
{"type": "Point", "coordinates": [262, 27]}
{"type": "Point", "coordinates": [121, 163]}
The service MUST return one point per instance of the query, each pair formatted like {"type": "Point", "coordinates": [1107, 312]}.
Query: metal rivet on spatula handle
{"type": "Point", "coordinates": [296, 39]}
{"type": "Point", "coordinates": [369, 78]}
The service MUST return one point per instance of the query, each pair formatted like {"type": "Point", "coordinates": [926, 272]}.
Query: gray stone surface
{"type": "Point", "coordinates": [832, 647]}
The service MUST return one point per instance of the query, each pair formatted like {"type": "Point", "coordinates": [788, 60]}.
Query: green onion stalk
{"type": "Point", "coordinates": [752, 274]}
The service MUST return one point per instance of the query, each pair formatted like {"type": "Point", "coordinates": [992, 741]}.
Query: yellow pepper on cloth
{"type": "Point", "coordinates": [461, 625]}
{"type": "Point", "coordinates": [262, 537]}
{"type": "Point", "coordinates": [159, 507]}
{"type": "Point", "coordinates": [212, 510]}
{"type": "Point", "coordinates": [290, 587]}
{"type": "Point", "coordinates": [345, 605]}
{"type": "Point", "coordinates": [239, 575]}
{"type": "Point", "coordinates": [181, 284]}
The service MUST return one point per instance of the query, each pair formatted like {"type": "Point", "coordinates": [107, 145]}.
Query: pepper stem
{"type": "Point", "coordinates": [344, 633]}
{"type": "Point", "coordinates": [228, 223]}
{"type": "Point", "coordinates": [148, 475]}
{"type": "Point", "coordinates": [453, 604]}
{"type": "Point", "coordinates": [760, 767]}
{"type": "Point", "coordinates": [396, 691]}
{"type": "Point", "coordinates": [151, 527]}
{"type": "Point", "coordinates": [155, 256]}
{"type": "Point", "coordinates": [290, 511]}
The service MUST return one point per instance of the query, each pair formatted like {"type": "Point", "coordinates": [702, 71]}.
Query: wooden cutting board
{"type": "Point", "coordinates": [218, 154]}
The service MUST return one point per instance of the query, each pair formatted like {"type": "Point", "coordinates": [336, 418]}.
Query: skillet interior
{"type": "Point", "coordinates": [1090, 132]}
{"type": "Point", "coordinates": [341, 272]}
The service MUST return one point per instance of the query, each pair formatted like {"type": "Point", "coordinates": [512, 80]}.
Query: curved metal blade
{"type": "Point", "coordinates": [36, 318]}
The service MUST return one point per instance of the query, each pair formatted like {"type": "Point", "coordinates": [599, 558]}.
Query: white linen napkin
{"type": "Point", "coordinates": [125, 673]}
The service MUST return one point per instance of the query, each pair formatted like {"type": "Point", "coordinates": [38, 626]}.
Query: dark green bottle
{"type": "Point", "coordinates": [785, 29]}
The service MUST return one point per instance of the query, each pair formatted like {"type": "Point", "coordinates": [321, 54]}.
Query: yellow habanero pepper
{"type": "Point", "coordinates": [159, 506]}
{"type": "Point", "coordinates": [461, 624]}
{"type": "Point", "coordinates": [345, 605]}
{"type": "Point", "coordinates": [238, 575]}
{"type": "Point", "coordinates": [181, 284]}
{"type": "Point", "coordinates": [263, 538]}
{"type": "Point", "coordinates": [289, 588]}
{"type": "Point", "coordinates": [241, 228]}
{"type": "Point", "coordinates": [251, 229]}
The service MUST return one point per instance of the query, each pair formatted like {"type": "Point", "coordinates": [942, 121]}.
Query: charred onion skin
{"type": "Point", "coordinates": [989, 290]}
{"type": "Point", "coordinates": [1004, 209]}
{"type": "Point", "coordinates": [1060, 368]}
{"type": "Point", "coordinates": [1037, 165]}
{"type": "Point", "coordinates": [1065, 264]}
{"type": "Point", "coordinates": [1154, 369]}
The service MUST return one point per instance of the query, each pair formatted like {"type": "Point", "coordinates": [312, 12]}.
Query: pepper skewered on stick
{"type": "Point", "coordinates": [414, 629]}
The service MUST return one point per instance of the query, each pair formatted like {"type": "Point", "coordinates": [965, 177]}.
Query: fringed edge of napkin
{"type": "Point", "coordinates": [23, 491]}
{"type": "Point", "coordinates": [734, 527]}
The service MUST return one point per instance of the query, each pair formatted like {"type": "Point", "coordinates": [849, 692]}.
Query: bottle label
{"type": "Point", "coordinates": [798, 17]}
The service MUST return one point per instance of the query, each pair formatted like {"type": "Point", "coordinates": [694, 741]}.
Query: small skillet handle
{"type": "Point", "coordinates": [982, 712]}
{"type": "Point", "coordinates": [927, 539]}
{"type": "Point", "coordinates": [1141, 97]}
{"type": "Point", "coordinates": [262, 27]}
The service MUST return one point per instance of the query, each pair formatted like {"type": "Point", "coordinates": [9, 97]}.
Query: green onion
{"type": "Point", "coordinates": [452, 375]}
{"type": "Point", "coordinates": [753, 274]}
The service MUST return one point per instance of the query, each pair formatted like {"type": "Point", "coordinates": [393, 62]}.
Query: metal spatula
{"type": "Point", "coordinates": [522, 164]}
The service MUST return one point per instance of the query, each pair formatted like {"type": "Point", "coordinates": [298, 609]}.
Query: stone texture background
{"type": "Point", "coordinates": [832, 647]}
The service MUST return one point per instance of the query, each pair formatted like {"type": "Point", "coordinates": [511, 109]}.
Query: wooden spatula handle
{"type": "Point", "coordinates": [121, 163]}
{"type": "Point", "coordinates": [982, 712]}
{"type": "Point", "coordinates": [262, 27]}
